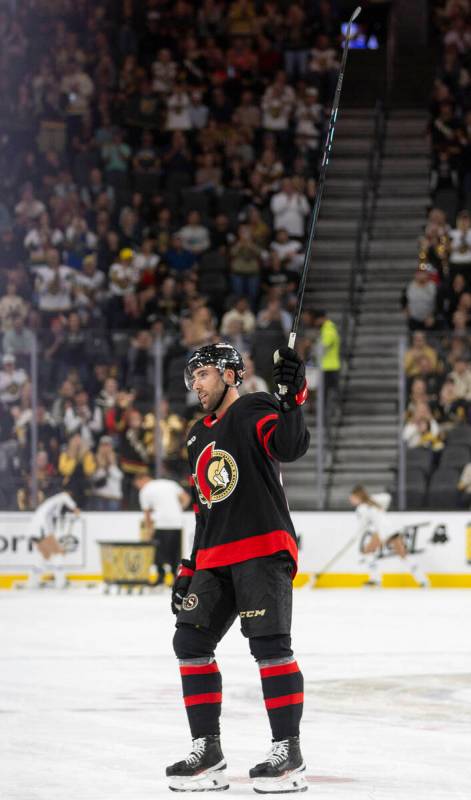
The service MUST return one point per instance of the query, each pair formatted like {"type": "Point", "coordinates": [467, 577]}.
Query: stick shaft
{"type": "Point", "coordinates": [320, 189]}
{"type": "Point", "coordinates": [338, 555]}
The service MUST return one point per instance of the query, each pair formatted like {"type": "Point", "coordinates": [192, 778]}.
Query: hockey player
{"type": "Point", "coordinates": [48, 552]}
{"type": "Point", "coordinates": [371, 514]}
{"type": "Point", "coordinates": [242, 564]}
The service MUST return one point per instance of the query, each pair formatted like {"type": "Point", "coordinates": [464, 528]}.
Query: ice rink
{"type": "Point", "coordinates": [90, 705]}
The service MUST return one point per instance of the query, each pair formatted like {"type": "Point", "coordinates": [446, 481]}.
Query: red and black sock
{"type": "Point", "coordinates": [283, 690]}
{"type": "Point", "coordinates": [202, 694]}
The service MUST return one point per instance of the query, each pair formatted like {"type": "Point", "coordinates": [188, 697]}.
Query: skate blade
{"type": "Point", "coordinates": [214, 780]}
{"type": "Point", "coordinates": [294, 781]}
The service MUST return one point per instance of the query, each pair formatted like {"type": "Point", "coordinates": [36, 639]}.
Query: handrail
{"type": "Point", "coordinates": [363, 234]}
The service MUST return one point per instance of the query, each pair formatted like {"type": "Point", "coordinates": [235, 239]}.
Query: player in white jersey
{"type": "Point", "coordinates": [376, 532]}
{"type": "Point", "coordinates": [162, 500]}
{"type": "Point", "coordinates": [48, 552]}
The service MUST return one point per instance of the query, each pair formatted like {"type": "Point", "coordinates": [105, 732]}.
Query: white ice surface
{"type": "Point", "coordinates": [90, 703]}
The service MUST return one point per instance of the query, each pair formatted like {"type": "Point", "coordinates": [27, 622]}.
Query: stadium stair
{"type": "Point", "coordinates": [334, 246]}
{"type": "Point", "coordinates": [366, 444]}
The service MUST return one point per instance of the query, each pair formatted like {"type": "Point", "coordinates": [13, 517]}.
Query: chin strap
{"type": "Point", "coordinates": [221, 399]}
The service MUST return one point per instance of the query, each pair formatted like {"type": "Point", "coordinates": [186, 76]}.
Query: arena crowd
{"type": "Point", "coordinates": [158, 163]}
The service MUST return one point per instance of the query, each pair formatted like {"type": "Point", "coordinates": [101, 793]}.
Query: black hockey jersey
{"type": "Point", "coordinates": [241, 509]}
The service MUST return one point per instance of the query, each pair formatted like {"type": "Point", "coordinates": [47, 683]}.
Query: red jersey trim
{"type": "Point", "coordinates": [199, 699]}
{"type": "Point", "coordinates": [196, 508]}
{"type": "Point", "coordinates": [279, 669]}
{"type": "Point", "coordinates": [199, 669]}
{"type": "Point", "coordinates": [266, 439]}
{"type": "Point", "coordinates": [211, 419]}
{"type": "Point", "coordinates": [266, 544]}
{"type": "Point", "coordinates": [263, 438]}
{"type": "Point", "coordinates": [285, 700]}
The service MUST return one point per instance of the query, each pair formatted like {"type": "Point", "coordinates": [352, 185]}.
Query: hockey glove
{"type": "Point", "coordinates": [289, 376]}
{"type": "Point", "coordinates": [181, 584]}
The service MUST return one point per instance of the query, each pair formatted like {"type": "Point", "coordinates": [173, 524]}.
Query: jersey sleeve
{"type": "Point", "coordinates": [69, 502]}
{"type": "Point", "coordinates": [198, 522]}
{"type": "Point", "coordinates": [283, 437]}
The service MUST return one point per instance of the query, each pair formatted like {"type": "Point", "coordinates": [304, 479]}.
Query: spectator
{"type": "Point", "coordinates": [309, 117]}
{"type": "Point", "coordinates": [122, 274]}
{"type": "Point", "coordinates": [116, 155]}
{"type": "Point", "coordinates": [77, 89]}
{"type": "Point", "coordinates": [54, 285]}
{"type": "Point", "coordinates": [289, 251]}
{"type": "Point", "coordinates": [239, 311]}
{"type": "Point", "coordinates": [135, 449]}
{"type": "Point", "coordinates": [79, 417]}
{"type": "Point", "coordinates": [12, 380]}
{"type": "Point", "coordinates": [194, 236]}
{"type": "Point", "coordinates": [461, 377]}
{"type": "Point", "coordinates": [419, 301]}
{"type": "Point", "coordinates": [259, 229]}
{"type": "Point", "coordinates": [29, 208]}
{"type": "Point", "coordinates": [178, 110]}
{"type": "Point", "coordinates": [18, 340]}
{"type": "Point", "coordinates": [330, 359]}
{"type": "Point", "coordinates": [89, 289]}
{"type": "Point", "coordinates": [422, 430]}
{"type": "Point", "coordinates": [245, 262]}
{"type": "Point", "coordinates": [95, 188]}
{"type": "Point", "coordinates": [290, 209]}
{"type": "Point", "coordinates": [418, 394]}
{"type": "Point", "coordinates": [11, 306]}
{"type": "Point", "coordinates": [273, 313]}
{"type": "Point", "coordinates": [450, 409]}
{"type": "Point", "coordinates": [323, 68]}
{"type": "Point", "coordinates": [106, 491]}
{"type": "Point", "coordinates": [179, 259]}
{"type": "Point", "coordinates": [419, 348]}
{"type": "Point", "coordinates": [76, 466]}
{"type": "Point", "coordinates": [164, 71]}
{"type": "Point", "coordinates": [460, 243]}
{"type": "Point", "coordinates": [277, 105]}
{"type": "Point", "coordinates": [252, 381]}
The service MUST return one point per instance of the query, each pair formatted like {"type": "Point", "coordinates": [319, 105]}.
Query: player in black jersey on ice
{"type": "Point", "coordinates": [243, 562]}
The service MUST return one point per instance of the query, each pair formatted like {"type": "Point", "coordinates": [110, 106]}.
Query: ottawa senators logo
{"type": "Point", "coordinates": [216, 475]}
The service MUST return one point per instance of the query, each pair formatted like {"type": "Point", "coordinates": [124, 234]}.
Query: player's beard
{"type": "Point", "coordinates": [216, 402]}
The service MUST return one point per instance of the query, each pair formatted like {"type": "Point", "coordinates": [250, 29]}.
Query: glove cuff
{"type": "Point", "coordinates": [288, 402]}
{"type": "Point", "coordinates": [185, 569]}
{"type": "Point", "coordinates": [301, 396]}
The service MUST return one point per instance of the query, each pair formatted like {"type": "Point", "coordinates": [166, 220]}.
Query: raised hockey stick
{"type": "Point", "coordinates": [320, 189]}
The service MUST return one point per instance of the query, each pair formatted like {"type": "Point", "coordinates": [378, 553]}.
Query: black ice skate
{"type": "Point", "coordinates": [202, 771]}
{"type": "Point", "coordinates": [282, 771]}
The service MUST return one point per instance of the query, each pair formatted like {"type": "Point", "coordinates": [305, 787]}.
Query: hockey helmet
{"type": "Point", "coordinates": [221, 355]}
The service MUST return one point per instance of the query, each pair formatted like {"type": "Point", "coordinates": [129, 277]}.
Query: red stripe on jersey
{"type": "Point", "coordinates": [196, 508]}
{"type": "Point", "coordinates": [199, 699]}
{"type": "Point", "coordinates": [279, 669]}
{"type": "Point", "coordinates": [199, 669]}
{"type": "Point", "coordinates": [266, 438]}
{"type": "Point", "coordinates": [191, 480]}
{"type": "Point", "coordinates": [265, 544]}
{"type": "Point", "coordinates": [285, 700]}
{"type": "Point", "coordinates": [261, 422]}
